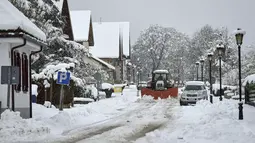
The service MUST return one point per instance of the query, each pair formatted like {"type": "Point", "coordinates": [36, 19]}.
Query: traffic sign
{"type": "Point", "coordinates": [10, 75]}
{"type": "Point", "coordinates": [63, 78]}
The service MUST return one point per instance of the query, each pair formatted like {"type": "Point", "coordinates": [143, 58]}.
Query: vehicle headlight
{"type": "Point", "coordinates": [183, 94]}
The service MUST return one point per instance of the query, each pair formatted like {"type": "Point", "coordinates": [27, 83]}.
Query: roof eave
{"type": "Point", "coordinates": [19, 33]}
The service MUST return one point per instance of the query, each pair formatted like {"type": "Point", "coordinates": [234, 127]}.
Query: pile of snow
{"type": "Point", "coordinates": [107, 86]}
{"type": "Point", "coordinates": [49, 123]}
{"type": "Point", "coordinates": [206, 122]}
{"type": "Point", "coordinates": [83, 99]}
{"type": "Point", "coordinates": [146, 99]}
{"type": "Point", "coordinates": [13, 127]}
{"type": "Point", "coordinates": [34, 89]}
{"type": "Point", "coordinates": [249, 79]}
{"type": "Point", "coordinates": [47, 104]}
{"type": "Point", "coordinates": [40, 112]}
{"type": "Point", "coordinates": [93, 90]}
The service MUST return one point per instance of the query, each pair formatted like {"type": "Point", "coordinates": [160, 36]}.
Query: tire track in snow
{"type": "Point", "coordinates": [143, 132]}
{"type": "Point", "coordinates": [100, 127]}
{"type": "Point", "coordinates": [132, 132]}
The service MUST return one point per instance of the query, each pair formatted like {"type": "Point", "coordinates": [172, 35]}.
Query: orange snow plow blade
{"type": "Point", "coordinates": [163, 94]}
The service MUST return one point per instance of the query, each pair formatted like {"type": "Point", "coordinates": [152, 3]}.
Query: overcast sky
{"type": "Point", "coordinates": [185, 15]}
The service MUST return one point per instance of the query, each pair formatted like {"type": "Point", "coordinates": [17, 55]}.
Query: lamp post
{"type": "Point", "coordinates": [129, 65]}
{"type": "Point", "coordinates": [239, 41]}
{"type": "Point", "coordinates": [202, 69]}
{"type": "Point", "coordinates": [220, 48]}
{"type": "Point", "coordinates": [134, 66]}
{"type": "Point", "coordinates": [197, 64]}
{"type": "Point", "coordinates": [210, 75]}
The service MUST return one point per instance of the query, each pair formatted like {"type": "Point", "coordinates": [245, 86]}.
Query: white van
{"type": "Point", "coordinates": [192, 92]}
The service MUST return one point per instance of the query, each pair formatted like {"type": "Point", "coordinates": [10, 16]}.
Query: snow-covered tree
{"type": "Point", "coordinates": [161, 48]}
{"type": "Point", "coordinates": [59, 50]}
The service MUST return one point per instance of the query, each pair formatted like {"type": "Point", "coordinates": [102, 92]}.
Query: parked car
{"type": "Point", "coordinates": [192, 92]}
{"type": "Point", "coordinates": [108, 89]}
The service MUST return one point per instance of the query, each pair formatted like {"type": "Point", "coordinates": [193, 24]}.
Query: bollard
{"type": "Point", "coordinates": [0, 108]}
{"type": "Point", "coordinates": [211, 98]}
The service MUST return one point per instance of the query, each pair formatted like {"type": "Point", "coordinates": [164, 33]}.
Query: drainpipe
{"type": "Point", "coordinates": [30, 77]}
{"type": "Point", "coordinates": [12, 49]}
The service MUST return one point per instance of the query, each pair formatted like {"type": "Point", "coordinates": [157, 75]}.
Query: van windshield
{"type": "Point", "coordinates": [193, 87]}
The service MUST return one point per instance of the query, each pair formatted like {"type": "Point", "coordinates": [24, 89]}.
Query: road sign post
{"type": "Point", "coordinates": [63, 79]}
{"type": "Point", "coordinates": [10, 76]}
{"type": "Point", "coordinates": [61, 99]}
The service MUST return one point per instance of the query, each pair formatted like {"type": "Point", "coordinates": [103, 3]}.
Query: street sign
{"type": "Point", "coordinates": [10, 75]}
{"type": "Point", "coordinates": [98, 76]}
{"type": "Point", "coordinates": [63, 78]}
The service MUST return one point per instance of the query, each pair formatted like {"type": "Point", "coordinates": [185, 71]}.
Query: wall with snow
{"type": "Point", "coordinates": [4, 60]}
{"type": "Point", "coordinates": [22, 99]}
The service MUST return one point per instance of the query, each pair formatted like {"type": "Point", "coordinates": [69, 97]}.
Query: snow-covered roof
{"type": "Point", "coordinates": [106, 37]}
{"type": "Point", "coordinates": [194, 83]}
{"type": "Point", "coordinates": [124, 32]}
{"type": "Point", "coordinates": [107, 86]}
{"type": "Point", "coordinates": [103, 62]}
{"type": "Point", "coordinates": [13, 19]}
{"type": "Point", "coordinates": [249, 78]}
{"type": "Point", "coordinates": [160, 71]}
{"type": "Point", "coordinates": [80, 21]}
{"type": "Point", "coordinates": [58, 4]}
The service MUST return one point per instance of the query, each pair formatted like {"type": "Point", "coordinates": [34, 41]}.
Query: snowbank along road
{"type": "Point", "coordinates": [143, 116]}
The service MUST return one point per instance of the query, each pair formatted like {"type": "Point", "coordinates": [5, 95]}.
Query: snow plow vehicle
{"type": "Point", "coordinates": [160, 86]}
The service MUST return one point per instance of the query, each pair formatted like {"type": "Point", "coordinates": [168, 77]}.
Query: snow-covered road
{"type": "Point", "coordinates": [129, 118]}
{"type": "Point", "coordinates": [133, 124]}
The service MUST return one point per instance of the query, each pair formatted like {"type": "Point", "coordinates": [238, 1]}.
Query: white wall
{"type": "Point", "coordinates": [22, 99]}
{"type": "Point", "coordinates": [4, 61]}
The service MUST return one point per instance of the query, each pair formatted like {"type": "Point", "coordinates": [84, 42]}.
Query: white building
{"type": "Point", "coordinates": [79, 28]}
{"type": "Point", "coordinates": [112, 44]}
{"type": "Point", "coordinates": [19, 40]}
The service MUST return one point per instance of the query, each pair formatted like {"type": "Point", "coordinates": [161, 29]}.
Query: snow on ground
{"type": "Point", "coordinates": [207, 123]}
{"type": "Point", "coordinates": [50, 123]}
{"type": "Point", "coordinates": [129, 118]}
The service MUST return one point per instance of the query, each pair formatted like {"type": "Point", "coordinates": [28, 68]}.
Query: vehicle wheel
{"type": "Point", "coordinates": [181, 103]}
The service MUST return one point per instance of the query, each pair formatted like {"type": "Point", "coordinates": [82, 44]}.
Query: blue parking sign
{"type": "Point", "coordinates": [63, 78]}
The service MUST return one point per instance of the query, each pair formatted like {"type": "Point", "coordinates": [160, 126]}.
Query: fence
{"type": "Point", "coordinates": [250, 94]}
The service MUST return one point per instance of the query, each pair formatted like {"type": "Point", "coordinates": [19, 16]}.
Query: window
{"type": "Point", "coordinates": [24, 73]}
{"type": "Point", "coordinates": [160, 76]}
{"type": "Point", "coordinates": [193, 87]}
{"type": "Point", "coordinates": [17, 62]}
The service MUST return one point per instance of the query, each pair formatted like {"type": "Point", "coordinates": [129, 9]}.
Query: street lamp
{"type": "Point", "coordinates": [139, 69]}
{"type": "Point", "coordinates": [197, 64]}
{"type": "Point", "coordinates": [202, 69]}
{"type": "Point", "coordinates": [134, 66]}
{"type": "Point", "coordinates": [210, 74]}
{"type": "Point", "coordinates": [220, 48]}
{"type": "Point", "coordinates": [239, 33]}
{"type": "Point", "coordinates": [129, 65]}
